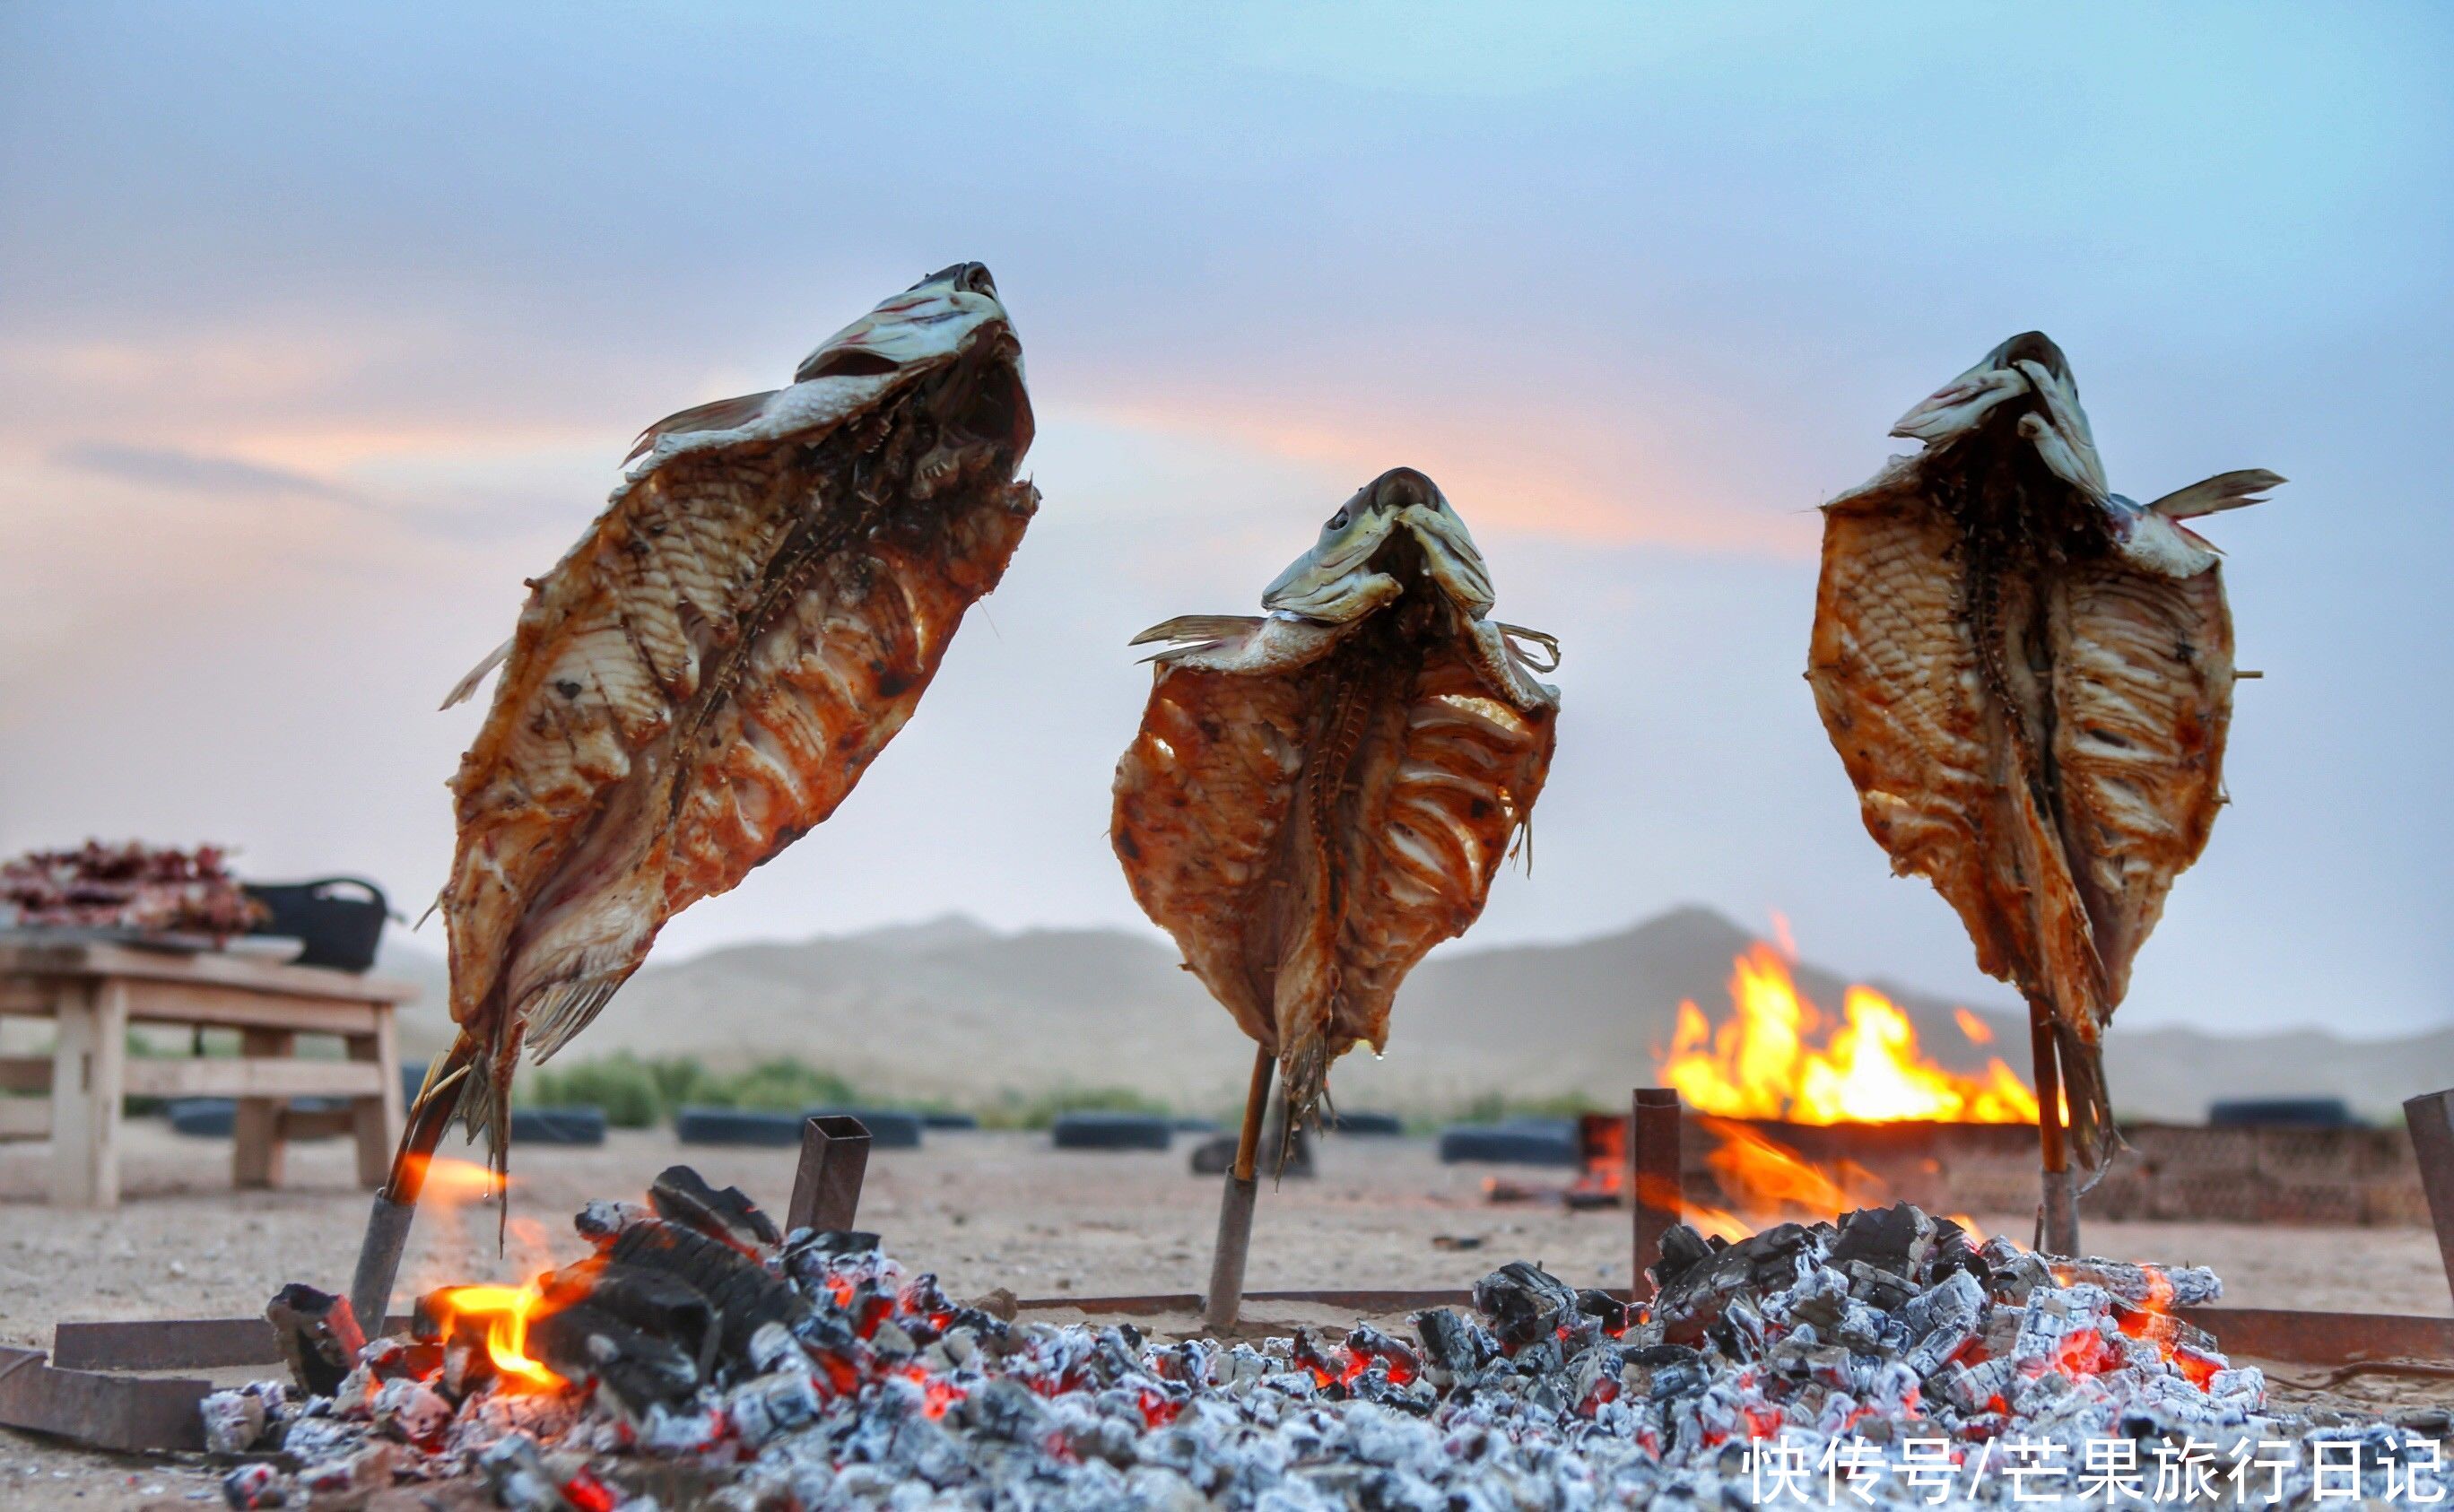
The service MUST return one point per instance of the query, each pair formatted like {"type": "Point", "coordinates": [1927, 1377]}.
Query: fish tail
{"type": "Point", "coordinates": [441, 1096]}
{"type": "Point", "coordinates": [2094, 1139]}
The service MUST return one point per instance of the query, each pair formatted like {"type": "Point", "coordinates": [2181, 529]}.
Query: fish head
{"type": "Point", "coordinates": [2022, 389]}
{"type": "Point", "coordinates": [1398, 532]}
{"type": "Point", "coordinates": [1960, 406]}
{"type": "Point", "coordinates": [951, 318]}
{"type": "Point", "coordinates": [948, 334]}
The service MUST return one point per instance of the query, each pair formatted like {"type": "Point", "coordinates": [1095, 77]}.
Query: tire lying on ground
{"type": "Point", "coordinates": [1508, 1144]}
{"type": "Point", "coordinates": [581, 1125]}
{"type": "Point", "coordinates": [1372, 1124]}
{"type": "Point", "coordinates": [703, 1125]}
{"type": "Point", "coordinates": [889, 1128]}
{"type": "Point", "coordinates": [1213, 1156]}
{"type": "Point", "coordinates": [215, 1117]}
{"type": "Point", "coordinates": [1111, 1131]}
{"type": "Point", "coordinates": [949, 1120]}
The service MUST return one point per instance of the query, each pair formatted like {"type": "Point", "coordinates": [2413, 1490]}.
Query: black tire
{"type": "Point", "coordinates": [204, 1117]}
{"type": "Point", "coordinates": [2297, 1113]}
{"type": "Point", "coordinates": [216, 1118]}
{"type": "Point", "coordinates": [1111, 1131]}
{"type": "Point", "coordinates": [581, 1126]}
{"type": "Point", "coordinates": [701, 1125]}
{"type": "Point", "coordinates": [1504, 1145]}
{"type": "Point", "coordinates": [1370, 1125]}
{"type": "Point", "coordinates": [956, 1122]}
{"type": "Point", "coordinates": [889, 1128]}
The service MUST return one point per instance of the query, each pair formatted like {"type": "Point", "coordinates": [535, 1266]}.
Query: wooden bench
{"type": "Point", "coordinates": [92, 992]}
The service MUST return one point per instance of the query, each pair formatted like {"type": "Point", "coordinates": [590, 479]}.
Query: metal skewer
{"type": "Point", "coordinates": [1226, 1296]}
{"type": "Point", "coordinates": [2058, 1211]}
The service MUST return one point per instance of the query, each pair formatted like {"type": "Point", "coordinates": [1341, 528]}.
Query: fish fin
{"type": "Point", "coordinates": [2225, 491]}
{"type": "Point", "coordinates": [555, 1014]}
{"type": "Point", "coordinates": [719, 414]}
{"type": "Point", "coordinates": [1197, 626]}
{"type": "Point", "coordinates": [461, 690]}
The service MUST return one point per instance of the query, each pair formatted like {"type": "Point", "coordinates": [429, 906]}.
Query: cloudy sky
{"type": "Point", "coordinates": [321, 327]}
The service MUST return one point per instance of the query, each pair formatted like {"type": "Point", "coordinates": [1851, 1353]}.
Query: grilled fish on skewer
{"type": "Point", "coordinates": [2029, 679]}
{"type": "Point", "coordinates": [707, 674]}
{"type": "Point", "coordinates": [1320, 795]}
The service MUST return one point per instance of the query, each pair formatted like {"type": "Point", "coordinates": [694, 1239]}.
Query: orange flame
{"type": "Point", "coordinates": [1765, 1061]}
{"type": "Point", "coordinates": [508, 1311]}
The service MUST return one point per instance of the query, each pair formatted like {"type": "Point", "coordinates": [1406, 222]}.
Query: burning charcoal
{"type": "Point", "coordinates": [681, 1195]}
{"type": "Point", "coordinates": [771, 1406]}
{"type": "Point", "coordinates": [1683, 1250]}
{"type": "Point", "coordinates": [650, 1302]}
{"type": "Point", "coordinates": [519, 1478]}
{"type": "Point", "coordinates": [740, 1291]}
{"type": "Point", "coordinates": [1898, 1238]}
{"type": "Point", "coordinates": [1524, 1304]}
{"type": "Point", "coordinates": [318, 1334]}
{"type": "Point", "coordinates": [1883, 1290]}
{"type": "Point", "coordinates": [2013, 1273]}
{"type": "Point", "coordinates": [257, 1486]}
{"type": "Point", "coordinates": [810, 1254]}
{"type": "Point", "coordinates": [315, 1438]}
{"type": "Point", "coordinates": [411, 1412]}
{"type": "Point", "coordinates": [233, 1420]}
{"type": "Point", "coordinates": [1369, 1344]}
{"type": "Point", "coordinates": [635, 1369]}
{"type": "Point", "coordinates": [2157, 1285]}
{"type": "Point", "coordinates": [672, 1433]}
{"type": "Point", "coordinates": [1453, 1343]}
{"type": "Point", "coordinates": [364, 1468]}
{"type": "Point", "coordinates": [605, 1220]}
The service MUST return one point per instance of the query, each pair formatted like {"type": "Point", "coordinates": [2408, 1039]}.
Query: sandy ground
{"type": "Point", "coordinates": [983, 1210]}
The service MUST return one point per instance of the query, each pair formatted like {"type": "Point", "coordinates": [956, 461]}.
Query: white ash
{"type": "Point", "coordinates": [1885, 1349]}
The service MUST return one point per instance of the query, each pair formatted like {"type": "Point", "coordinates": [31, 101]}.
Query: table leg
{"type": "Point", "coordinates": [376, 1121]}
{"type": "Point", "coordinates": [258, 1143]}
{"type": "Point", "coordinates": [88, 1080]}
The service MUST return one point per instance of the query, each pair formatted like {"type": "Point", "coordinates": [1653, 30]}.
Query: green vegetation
{"type": "Point", "coordinates": [1014, 1110]}
{"type": "Point", "coordinates": [637, 1093]}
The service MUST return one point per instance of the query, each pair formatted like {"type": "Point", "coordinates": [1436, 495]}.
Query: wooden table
{"type": "Point", "coordinates": [93, 991]}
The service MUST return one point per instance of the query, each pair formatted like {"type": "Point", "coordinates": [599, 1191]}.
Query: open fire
{"type": "Point", "coordinates": [1780, 1056]}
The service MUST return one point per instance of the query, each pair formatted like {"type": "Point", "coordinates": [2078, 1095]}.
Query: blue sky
{"type": "Point", "coordinates": [321, 328]}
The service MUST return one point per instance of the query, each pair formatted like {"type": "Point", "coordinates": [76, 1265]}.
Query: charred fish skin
{"type": "Point", "coordinates": [2028, 679]}
{"type": "Point", "coordinates": [1319, 795]}
{"type": "Point", "coordinates": [707, 671]}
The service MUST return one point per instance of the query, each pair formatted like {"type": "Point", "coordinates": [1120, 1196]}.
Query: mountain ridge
{"type": "Point", "coordinates": [951, 1008]}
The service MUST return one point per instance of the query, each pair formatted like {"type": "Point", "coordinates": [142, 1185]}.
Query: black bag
{"type": "Point", "coordinates": [339, 926]}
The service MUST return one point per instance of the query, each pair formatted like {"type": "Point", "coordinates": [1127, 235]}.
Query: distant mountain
{"type": "Point", "coordinates": [952, 1008]}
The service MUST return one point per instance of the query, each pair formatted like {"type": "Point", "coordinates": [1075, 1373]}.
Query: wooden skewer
{"type": "Point", "coordinates": [2058, 1211]}
{"type": "Point", "coordinates": [1226, 1297]}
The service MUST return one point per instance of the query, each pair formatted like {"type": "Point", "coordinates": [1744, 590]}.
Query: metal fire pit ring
{"type": "Point", "coordinates": [90, 1390]}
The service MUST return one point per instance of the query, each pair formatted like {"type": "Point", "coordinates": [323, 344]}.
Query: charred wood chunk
{"type": "Point", "coordinates": [637, 1369]}
{"type": "Point", "coordinates": [1524, 1304]}
{"type": "Point", "coordinates": [2157, 1285]}
{"type": "Point", "coordinates": [651, 1302]}
{"type": "Point", "coordinates": [1608, 1311]}
{"type": "Point", "coordinates": [741, 1290]}
{"type": "Point", "coordinates": [680, 1195]}
{"type": "Point", "coordinates": [604, 1220]}
{"type": "Point", "coordinates": [1454, 1342]}
{"type": "Point", "coordinates": [1369, 1344]}
{"type": "Point", "coordinates": [319, 1335]}
{"type": "Point", "coordinates": [1683, 1250]}
{"type": "Point", "coordinates": [1896, 1238]}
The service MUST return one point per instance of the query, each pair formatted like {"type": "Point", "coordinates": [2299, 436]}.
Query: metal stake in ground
{"type": "Point", "coordinates": [2058, 1209]}
{"type": "Point", "coordinates": [2429, 1118]}
{"type": "Point", "coordinates": [1653, 1182]}
{"type": "Point", "coordinates": [1226, 1297]}
{"type": "Point", "coordinates": [395, 1203]}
